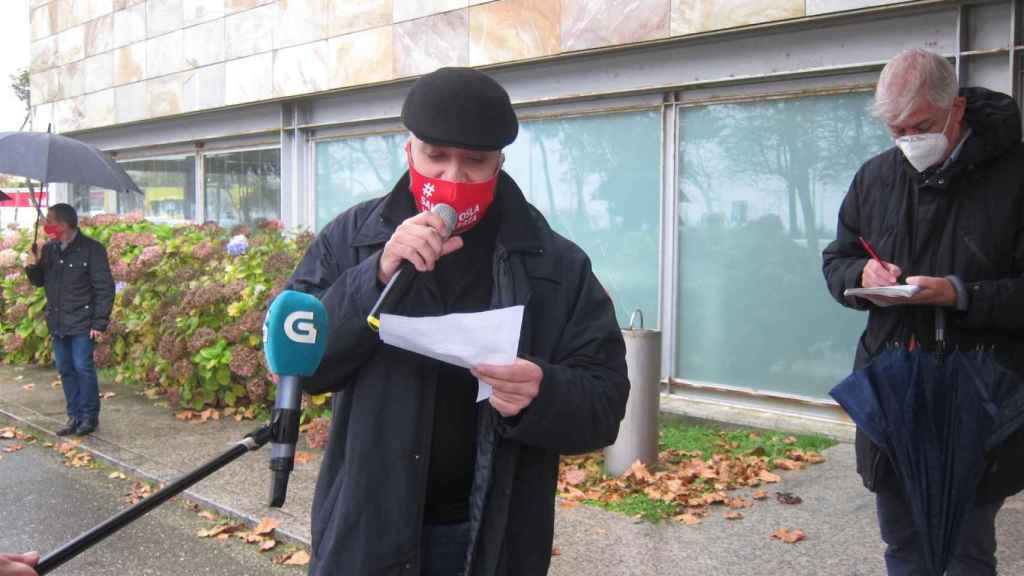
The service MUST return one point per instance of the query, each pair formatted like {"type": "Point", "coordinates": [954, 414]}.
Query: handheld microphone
{"type": "Point", "coordinates": [294, 338]}
{"type": "Point", "coordinates": [400, 282]}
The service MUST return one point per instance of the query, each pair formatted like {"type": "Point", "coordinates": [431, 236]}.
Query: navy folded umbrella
{"type": "Point", "coordinates": [935, 415]}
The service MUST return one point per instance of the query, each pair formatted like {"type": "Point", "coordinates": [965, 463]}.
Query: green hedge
{"type": "Point", "coordinates": [188, 313]}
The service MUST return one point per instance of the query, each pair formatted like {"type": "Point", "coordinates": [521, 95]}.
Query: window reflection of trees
{"type": "Point", "coordinates": [243, 187]}
{"type": "Point", "coordinates": [597, 181]}
{"type": "Point", "coordinates": [352, 170]}
{"type": "Point", "coordinates": [762, 183]}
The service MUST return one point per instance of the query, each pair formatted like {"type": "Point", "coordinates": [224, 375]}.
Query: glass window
{"type": "Point", "coordinates": [242, 187]}
{"type": "Point", "coordinates": [352, 170]}
{"type": "Point", "coordinates": [168, 184]}
{"type": "Point", "coordinates": [89, 200]}
{"type": "Point", "coordinates": [761, 184]}
{"type": "Point", "coordinates": [597, 180]}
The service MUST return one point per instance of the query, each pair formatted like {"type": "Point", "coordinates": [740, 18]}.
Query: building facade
{"type": "Point", "coordinates": [698, 150]}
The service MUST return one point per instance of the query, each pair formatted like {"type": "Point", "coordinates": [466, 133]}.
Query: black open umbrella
{"type": "Point", "coordinates": [51, 158]}
{"type": "Point", "coordinates": [4, 197]}
{"type": "Point", "coordinates": [935, 414]}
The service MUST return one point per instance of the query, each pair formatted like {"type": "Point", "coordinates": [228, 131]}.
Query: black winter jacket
{"type": "Point", "coordinates": [79, 287]}
{"type": "Point", "coordinates": [368, 504]}
{"type": "Point", "coordinates": [964, 220]}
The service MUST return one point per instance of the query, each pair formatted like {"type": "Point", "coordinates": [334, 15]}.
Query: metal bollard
{"type": "Point", "coordinates": [638, 432]}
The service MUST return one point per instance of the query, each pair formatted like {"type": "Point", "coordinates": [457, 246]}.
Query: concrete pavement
{"type": "Point", "coordinates": [837, 514]}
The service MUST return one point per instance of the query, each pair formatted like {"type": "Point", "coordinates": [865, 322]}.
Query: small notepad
{"type": "Point", "coordinates": [900, 291]}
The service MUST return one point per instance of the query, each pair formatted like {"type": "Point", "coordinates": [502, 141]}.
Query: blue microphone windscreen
{"type": "Point", "coordinates": [295, 334]}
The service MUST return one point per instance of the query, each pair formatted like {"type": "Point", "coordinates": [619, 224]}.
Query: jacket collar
{"type": "Point", "coordinates": [518, 231]}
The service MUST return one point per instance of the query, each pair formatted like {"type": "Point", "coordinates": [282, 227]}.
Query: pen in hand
{"type": "Point", "coordinates": [890, 269]}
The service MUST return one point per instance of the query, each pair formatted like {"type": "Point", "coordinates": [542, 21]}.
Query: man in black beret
{"type": "Point", "coordinates": [419, 478]}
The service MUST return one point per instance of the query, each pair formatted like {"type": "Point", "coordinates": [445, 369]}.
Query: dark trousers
{"type": "Point", "coordinates": [975, 555]}
{"type": "Point", "coordinates": [444, 549]}
{"type": "Point", "coordinates": [73, 355]}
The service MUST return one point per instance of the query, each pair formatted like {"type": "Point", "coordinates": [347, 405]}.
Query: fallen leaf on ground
{"type": "Point", "coordinates": [556, 551]}
{"type": "Point", "coordinates": [48, 444]}
{"type": "Point", "coordinates": [209, 414]}
{"type": "Point", "coordinates": [788, 498]}
{"type": "Point", "coordinates": [575, 477]}
{"type": "Point", "coordinates": [185, 415]}
{"type": "Point", "coordinates": [266, 526]}
{"type": "Point", "coordinates": [789, 440]}
{"type": "Point", "coordinates": [66, 447]}
{"type": "Point", "coordinates": [191, 506]}
{"type": "Point", "coordinates": [298, 558]}
{"type": "Point", "coordinates": [787, 464]}
{"type": "Point", "coordinates": [813, 458]}
{"type": "Point", "coordinates": [140, 491]}
{"type": "Point", "coordinates": [55, 384]}
{"type": "Point", "coordinates": [28, 387]}
{"type": "Point", "coordinates": [738, 502]}
{"type": "Point", "coordinates": [267, 545]}
{"type": "Point", "coordinates": [13, 448]}
{"type": "Point", "coordinates": [117, 476]}
{"type": "Point", "coordinates": [304, 457]}
{"type": "Point", "coordinates": [789, 536]}
{"type": "Point", "coordinates": [77, 459]}
{"type": "Point", "coordinates": [568, 504]}
{"type": "Point", "coordinates": [733, 515]}
{"type": "Point", "coordinates": [688, 519]}
{"type": "Point", "coordinates": [219, 530]}
{"type": "Point", "coordinates": [206, 514]}
{"type": "Point", "coordinates": [107, 395]}
{"type": "Point", "coordinates": [250, 538]}
{"type": "Point", "coordinates": [639, 472]}
{"type": "Point", "coordinates": [153, 393]}
{"type": "Point", "coordinates": [767, 476]}
{"type": "Point", "coordinates": [7, 433]}
{"type": "Point", "coordinates": [759, 495]}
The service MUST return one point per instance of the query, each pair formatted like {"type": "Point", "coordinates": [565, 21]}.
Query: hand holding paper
{"type": "Point", "coordinates": [514, 386]}
{"type": "Point", "coordinates": [466, 340]}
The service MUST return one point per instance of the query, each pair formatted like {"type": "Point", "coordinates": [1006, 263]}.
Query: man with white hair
{"type": "Point", "coordinates": [944, 209]}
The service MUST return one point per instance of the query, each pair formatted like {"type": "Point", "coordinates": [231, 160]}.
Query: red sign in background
{"type": "Point", "coordinates": [21, 199]}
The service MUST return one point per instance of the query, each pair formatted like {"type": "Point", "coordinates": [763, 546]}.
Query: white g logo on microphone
{"type": "Point", "coordinates": [298, 328]}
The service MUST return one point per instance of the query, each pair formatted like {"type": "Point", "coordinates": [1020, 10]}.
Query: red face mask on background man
{"type": "Point", "coordinates": [52, 231]}
{"type": "Point", "coordinates": [469, 199]}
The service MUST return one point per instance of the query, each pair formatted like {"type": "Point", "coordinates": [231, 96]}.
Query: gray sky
{"type": "Point", "coordinates": [14, 30]}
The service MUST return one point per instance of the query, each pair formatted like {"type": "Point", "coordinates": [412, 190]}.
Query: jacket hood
{"type": "Point", "coordinates": [995, 120]}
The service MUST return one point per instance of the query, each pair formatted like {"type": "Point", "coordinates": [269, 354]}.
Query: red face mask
{"type": "Point", "coordinates": [469, 199]}
{"type": "Point", "coordinates": [52, 230]}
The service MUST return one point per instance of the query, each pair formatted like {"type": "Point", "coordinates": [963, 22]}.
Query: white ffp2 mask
{"type": "Point", "coordinates": [925, 150]}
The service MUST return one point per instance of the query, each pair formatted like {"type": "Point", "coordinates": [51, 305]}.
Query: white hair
{"type": "Point", "coordinates": [910, 76]}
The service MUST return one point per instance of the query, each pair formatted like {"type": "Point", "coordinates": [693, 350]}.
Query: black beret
{"type": "Point", "coordinates": [460, 107]}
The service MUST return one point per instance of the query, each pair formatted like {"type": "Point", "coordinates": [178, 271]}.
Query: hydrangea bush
{"type": "Point", "coordinates": [188, 311]}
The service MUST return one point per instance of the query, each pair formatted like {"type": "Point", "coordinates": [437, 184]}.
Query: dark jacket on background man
{"type": "Point", "coordinates": [965, 219]}
{"type": "Point", "coordinates": [367, 510]}
{"type": "Point", "coordinates": [79, 287]}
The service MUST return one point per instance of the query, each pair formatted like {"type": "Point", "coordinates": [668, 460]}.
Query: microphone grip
{"type": "Point", "coordinates": [285, 426]}
{"type": "Point", "coordinates": [392, 293]}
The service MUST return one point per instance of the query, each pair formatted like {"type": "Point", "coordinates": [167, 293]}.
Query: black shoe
{"type": "Point", "coordinates": [87, 426]}
{"type": "Point", "coordinates": [69, 428]}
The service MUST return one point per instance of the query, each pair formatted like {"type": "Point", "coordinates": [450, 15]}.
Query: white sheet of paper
{"type": "Point", "coordinates": [465, 340]}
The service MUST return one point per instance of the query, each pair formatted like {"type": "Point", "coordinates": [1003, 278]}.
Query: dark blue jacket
{"type": "Point", "coordinates": [79, 287]}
